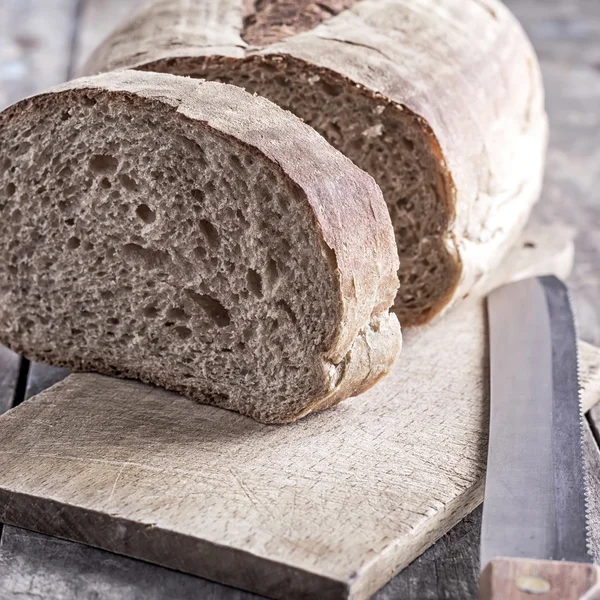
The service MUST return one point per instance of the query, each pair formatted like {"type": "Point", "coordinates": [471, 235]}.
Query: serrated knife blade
{"type": "Point", "coordinates": [534, 513]}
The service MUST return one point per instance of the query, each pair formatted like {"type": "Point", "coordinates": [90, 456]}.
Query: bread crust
{"type": "Point", "coordinates": [345, 204]}
{"type": "Point", "coordinates": [478, 98]}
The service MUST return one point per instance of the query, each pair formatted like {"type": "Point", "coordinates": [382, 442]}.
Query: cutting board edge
{"type": "Point", "coordinates": [358, 585]}
{"type": "Point", "coordinates": [222, 558]}
{"type": "Point", "coordinates": [369, 580]}
{"type": "Point", "coordinates": [382, 568]}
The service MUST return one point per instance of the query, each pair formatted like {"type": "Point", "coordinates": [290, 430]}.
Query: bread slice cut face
{"type": "Point", "coordinates": [193, 236]}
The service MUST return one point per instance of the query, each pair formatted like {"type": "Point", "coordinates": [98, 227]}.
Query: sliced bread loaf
{"type": "Point", "coordinates": [441, 101]}
{"type": "Point", "coordinates": [196, 237]}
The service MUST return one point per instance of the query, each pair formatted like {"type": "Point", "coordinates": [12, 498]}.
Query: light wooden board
{"type": "Point", "coordinates": [330, 507]}
{"type": "Point", "coordinates": [10, 369]}
{"type": "Point", "coordinates": [41, 377]}
{"type": "Point", "coordinates": [34, 565]}
{"type": "Point", "coordinates": [9, 375]}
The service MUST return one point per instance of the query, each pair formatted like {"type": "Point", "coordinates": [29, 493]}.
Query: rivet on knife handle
{"type": "Point", "coordinates": [530, 579]}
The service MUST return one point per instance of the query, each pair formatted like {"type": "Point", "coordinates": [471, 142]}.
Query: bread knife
{"type": "Point", "coordinates": [534, 538]}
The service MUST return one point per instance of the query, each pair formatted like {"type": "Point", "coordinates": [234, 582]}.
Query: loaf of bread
{"type": "Point", "coordinates": [441, 101]}
{"type": "Point", "coordinates": [197, 237]}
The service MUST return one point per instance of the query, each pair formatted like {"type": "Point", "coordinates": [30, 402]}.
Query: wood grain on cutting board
{"type": "Point", "coordinates": [330, 507]}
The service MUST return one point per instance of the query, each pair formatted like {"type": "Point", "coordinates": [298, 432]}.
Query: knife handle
{"type": "Point", "coordinates": [527, 579]}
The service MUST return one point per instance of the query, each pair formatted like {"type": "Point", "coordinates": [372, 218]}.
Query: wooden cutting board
{"type": "Point", "coordinates": [330, 507]}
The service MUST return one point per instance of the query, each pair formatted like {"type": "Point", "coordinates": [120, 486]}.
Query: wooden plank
{"type": "Point", "coordinates": [9, 376]}
{"type": "Point", "coordinates": [285, 511]}
{"type": "Point", "coordinates": [450, 568]}
{"type": "Point", "coordinates": [32, 58]}
{"type": "Point", "coordinates": [98, 19]}
{"type": "Point", "coordinates": [35, 44]}
{"type": "Point", "coordinates": [35, 565]}
{"type": "Point", "coordinates": [41, 377]}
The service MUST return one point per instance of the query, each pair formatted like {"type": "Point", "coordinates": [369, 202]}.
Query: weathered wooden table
{"type": "Point", "coordinates": [42, 42]}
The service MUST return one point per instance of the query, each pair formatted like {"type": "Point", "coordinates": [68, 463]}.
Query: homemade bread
{"type": "Point", "coordinates": [196, 237]}
{"type": "Point", "coordinates": [441, 101]}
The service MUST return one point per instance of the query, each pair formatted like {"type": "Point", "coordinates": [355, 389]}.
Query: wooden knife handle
{"type": "Point", "coordinates": [526, 579]}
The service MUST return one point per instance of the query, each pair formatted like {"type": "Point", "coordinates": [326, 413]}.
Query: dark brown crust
{"type": "Point", "coordinates": [269, 21]}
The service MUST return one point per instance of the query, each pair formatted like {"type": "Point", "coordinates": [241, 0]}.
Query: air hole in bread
{"type": "Point", "coordinates": [10, 189]}
{"type": "Point", "coordinates": [284, 203]}
{"type": "Point", "coordinates": [22, 148]}
{"type": "Point", "coordinates": [103, 163]}
{"type": "Point", "coordinates": [254, 283]}
{"type": "Point", "coordinates": [241, 217]}
{"type": "Point", "coordinates": [198, 195]}
{"type": "Point", "coordinates": [195, 149]}
{"type": "Point", "coordinates": [151, 259]}
{"type": "Point", "coordinates": [212, 235]}
{"type": "Point", "coordinates": [177, 314]}
{"type": "Point", "coordinates": [210, 187]}
{"type": "Point", "coordinates": [212, 307]}
{"type": "Point", "coordinates": [105, 184]}
{"type": "Point", "coordinates": [200, 252]}
{"type": "Point", "coordinates": [145, 213]}
{"type": "Point", "coordinates": [128, 182]}
{"type": "Point", "coordinates": [249, 332]}
{"type": "Point", "coordinates": [65, 172]}
{"type": "Point", "coordinates": [73, 243]}
{"type": "Point", "coordinates": [150, 311]}
{"type": "Point", "coordinates": [183, 332]}
{"type": "Point", "coordinates": [219, 399]}
{"type": "Point", "coordinates": [271, 273]}
{"type": "Point", "coordinates": [287, 310]}
{"type": "Point", "coordinates": [331, 89]}
{"type": "Point", "coordinates": [236, 164]}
